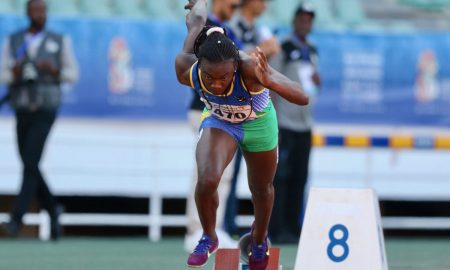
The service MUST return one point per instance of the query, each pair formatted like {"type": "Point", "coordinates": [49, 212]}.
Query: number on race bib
{"type": "Point", "coordinates": [338, 242]}
{"type": "Point", "coordinates": [235, 114]}
{"type": "Point", "coordinates": [218, 112]}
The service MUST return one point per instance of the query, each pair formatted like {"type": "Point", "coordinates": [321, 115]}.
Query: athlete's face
{"type": "Point", "coordinates": [217, 77]}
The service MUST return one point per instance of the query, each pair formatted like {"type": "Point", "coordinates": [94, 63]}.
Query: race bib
{"type": "Point", "coordinates": [232, 114]}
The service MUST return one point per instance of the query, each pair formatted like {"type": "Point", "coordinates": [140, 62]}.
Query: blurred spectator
{"type": "Point", "coordinates": [221, 12]}
{"type": "Point", "coordinates": [298, 61]}
{"type": "Point", "coordinates": [4, 99]}
{"type": "Point", "coordinates": [34, 63]}
{"type": "Point", "coordinates": [244, 26]}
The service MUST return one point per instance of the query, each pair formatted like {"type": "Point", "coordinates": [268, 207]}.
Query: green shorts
{"type": "Point", "coordinates": [258, 135]}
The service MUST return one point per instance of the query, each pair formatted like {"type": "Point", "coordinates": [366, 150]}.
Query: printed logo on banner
{"type": "Point", "coordinates": [427, 85]}
{"type": "Point", "coordinates": [432, 86]}
{"type": "Point", "coordinates": [128, 85]}
{"type": "Point", "coordinates": [120, 71]}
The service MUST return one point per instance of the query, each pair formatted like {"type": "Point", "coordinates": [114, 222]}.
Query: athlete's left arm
{"type": "Point", "coordinates": [257, 72]}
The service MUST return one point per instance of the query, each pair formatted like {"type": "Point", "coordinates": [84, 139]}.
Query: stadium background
{"type": "Point", "coordinates": [124, 121]}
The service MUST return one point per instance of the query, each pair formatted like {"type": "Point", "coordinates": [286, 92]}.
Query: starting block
{"type": "Point", "coordinates": [237, 258]}
{"type": "Point", "coordinates": [228, 259]}
{"type": "Point", "coordinates": [342, 230]}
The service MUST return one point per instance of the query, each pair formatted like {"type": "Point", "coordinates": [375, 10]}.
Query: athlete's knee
{"type": "Point", "coordinates": [262, 189]}
{"type": "Point", "coordinates": [208, 180]}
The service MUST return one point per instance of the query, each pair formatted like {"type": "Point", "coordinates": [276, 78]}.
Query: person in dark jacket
{"type": "Point", "coordinates": [34, 63]}
{"type": "Point", "coordinates": [297, 61]}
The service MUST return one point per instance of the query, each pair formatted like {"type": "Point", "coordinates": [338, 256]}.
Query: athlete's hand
{"type": "Point", "coordinates": [262, 70]}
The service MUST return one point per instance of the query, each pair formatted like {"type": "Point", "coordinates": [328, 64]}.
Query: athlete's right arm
{"type": "Point", "coordinates": [195, 21]}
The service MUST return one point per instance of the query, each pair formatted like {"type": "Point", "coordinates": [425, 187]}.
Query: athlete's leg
{"type": "Point", "coordinates": [193, 221]}
{"type": "Point", "coordinates": [215, 150]}
{"type": "Point", "coordinates": [231, 200]}
{"type": "Point", "coordinates": [261, 167]}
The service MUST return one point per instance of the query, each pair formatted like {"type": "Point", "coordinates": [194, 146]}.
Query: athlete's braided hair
{"type": "Point", "coordinates": [213, 44]}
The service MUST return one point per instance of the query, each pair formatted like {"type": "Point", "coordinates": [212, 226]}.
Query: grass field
{"type": "Point", "coordinates": [139, 253]}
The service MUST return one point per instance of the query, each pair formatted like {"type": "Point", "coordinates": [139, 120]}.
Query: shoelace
{"type": "Point", "coordinates": [259, 251]}
{"type": "Point", "coordinates": [203, 246]}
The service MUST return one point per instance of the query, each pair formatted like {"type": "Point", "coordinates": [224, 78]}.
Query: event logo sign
{"type": "Point", "coordinates": [128, 85]}
{"type": "Point", "coordinates": [427, 84]}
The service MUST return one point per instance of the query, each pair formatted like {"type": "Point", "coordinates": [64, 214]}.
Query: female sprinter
{"type": "Point", "coordinates": [239, 113]}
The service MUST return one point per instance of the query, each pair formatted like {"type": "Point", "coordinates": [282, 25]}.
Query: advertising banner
{"type": "Point", "coordinates": [398, 79]}
{"type": "Point", "coordinates": [127, 71]}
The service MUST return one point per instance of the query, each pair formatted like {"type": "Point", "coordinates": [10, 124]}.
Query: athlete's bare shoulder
{"type": "Point", "coordinates": [247, 69]}
{"type": "Point", "coordinates": [246, 64]}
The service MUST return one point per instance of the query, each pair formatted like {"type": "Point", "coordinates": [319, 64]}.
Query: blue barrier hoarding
{"type": "Point", "coordinates": [126, 67]}
{"type": "Point", "coordinates": [396, 79]}
{"type": "Point", "coordinates": [127, 71]}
